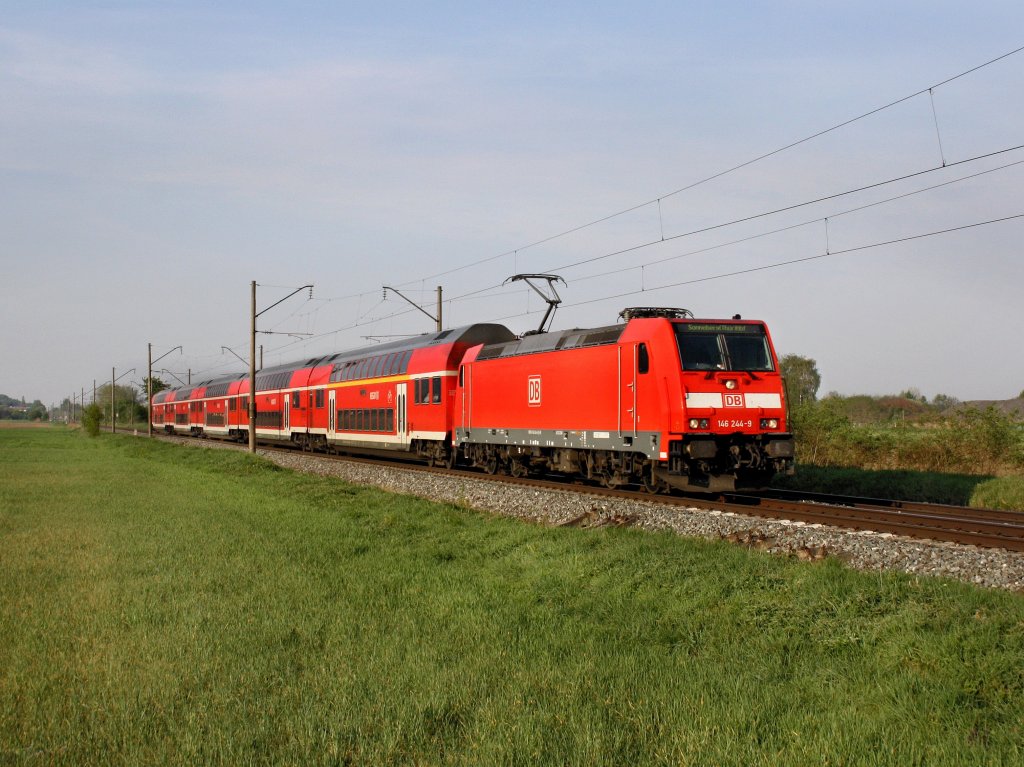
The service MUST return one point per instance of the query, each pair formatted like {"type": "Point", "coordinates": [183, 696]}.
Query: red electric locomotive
{"type": "Point", "coordinates": [664, 400]}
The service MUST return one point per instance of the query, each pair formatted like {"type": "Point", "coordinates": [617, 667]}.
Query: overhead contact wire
{"type": "Point", "coordinates": [778, 264]}
{"type": "Point", "coordinates": [732, 169]}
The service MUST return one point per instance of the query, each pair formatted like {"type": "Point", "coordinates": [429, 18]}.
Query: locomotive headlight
{"type": "Point", "coordinates": [769, 423]}
{"type": "Point", "coordinates": [699, 423]}
{"type": "Point", "coordinates": [730, 384]}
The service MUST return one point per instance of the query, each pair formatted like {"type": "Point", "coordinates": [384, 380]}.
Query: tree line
{"type": "Point", "coordinates": [899, 431]}
{"type": "Point", "coordinates": [19, 410]}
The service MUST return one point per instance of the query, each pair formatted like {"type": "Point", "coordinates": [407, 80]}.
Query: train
{"type": "Point", "coordinates": [660, 400]}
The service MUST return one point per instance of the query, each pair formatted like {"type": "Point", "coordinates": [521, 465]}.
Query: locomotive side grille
{"type": "Point", "coordinates": [602, 337]}
{"type": "Point", "coordinates": [549, 342]}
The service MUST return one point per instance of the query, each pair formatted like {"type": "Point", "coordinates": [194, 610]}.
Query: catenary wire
{"type": "Point", "coordinates": [778, 264]}
{"type": "Point", "coordinates": [787, 208]}
{"type": "Point", "coordinates": [791, 227]}
{"type": "Point", "coordinates": [657, 200]}
{"type": "Point", "coordinates": [362, 322]}
{"type": "Point", "coordinates": [725, 172]}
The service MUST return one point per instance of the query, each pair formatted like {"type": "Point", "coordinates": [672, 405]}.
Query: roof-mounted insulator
{"type": "Point", "coordinates": [667, 312]}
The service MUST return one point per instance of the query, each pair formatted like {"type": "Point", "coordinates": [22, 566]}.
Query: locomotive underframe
{"type": "Point", "coordinates": [700, 462]}
{"type": "Point", "coordinates": [610, 468]}
{"type": "Point", "coordinates": [717, 463]}
{"type": "Point", "coordinates": [703, 463]}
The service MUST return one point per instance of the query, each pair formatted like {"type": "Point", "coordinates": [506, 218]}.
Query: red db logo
{"type": "Point", "coordinates": [733, 400]}
{"type": "Point", "coordinates": [533, 391]}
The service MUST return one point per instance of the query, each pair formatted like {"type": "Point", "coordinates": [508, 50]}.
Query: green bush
{"type": "Point", "coordinates": [990, 435]}
{"type": "Point", "coordinates": [969, 441]}
{"type": "Point", "coordinates": [92, 416]}
{"type": "Point", "coordinates": [818, 428]}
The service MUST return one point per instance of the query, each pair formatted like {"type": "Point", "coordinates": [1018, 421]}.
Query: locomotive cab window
{"type": "Point", "coordinates": [723, 346]}
{"type": "Point", "coordinates": [643, 359]}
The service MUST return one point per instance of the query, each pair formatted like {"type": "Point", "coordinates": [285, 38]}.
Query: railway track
{"type": "Point", "coordinates": [989, 528]}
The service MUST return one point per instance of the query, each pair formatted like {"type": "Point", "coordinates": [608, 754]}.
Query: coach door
{"type": "Point", "coordinates": [466, 384]}
{"type": "Point", "coordinates": [628, 382]}
{"type": "Point", "coordinates": [332, 414]}
{"type": "Point", "coordinates": [286, 410]}
{"type": "Point", "coordinates": [401, 415]}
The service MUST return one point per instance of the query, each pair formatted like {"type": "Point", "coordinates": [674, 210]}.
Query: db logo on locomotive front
{"type": "Point", "coordinates": [533, 391]}
{"type": "Point", "coordinates": [732, 400]}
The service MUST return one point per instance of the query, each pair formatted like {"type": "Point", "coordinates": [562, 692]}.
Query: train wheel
{"type": "Point", "coordinates": [491, 465]}
{"type": "Point", "coordinates": [433, 454]}
{"type": "Point", "coordinates": [654, 486]}
{"type": "Point", "coordinates": [518, 469]}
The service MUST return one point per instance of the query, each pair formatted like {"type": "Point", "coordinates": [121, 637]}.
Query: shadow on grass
{"type": "Point", "coordinates": [932, 487]}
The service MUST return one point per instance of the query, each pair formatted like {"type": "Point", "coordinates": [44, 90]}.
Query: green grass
{"type": "Point", "coordinates": [161, 604]}
{"type": "Point", "coordinates": [999, 493]}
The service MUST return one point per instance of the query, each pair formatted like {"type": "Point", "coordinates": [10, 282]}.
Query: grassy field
{"type": "Point", "coordinates": [161, 604]}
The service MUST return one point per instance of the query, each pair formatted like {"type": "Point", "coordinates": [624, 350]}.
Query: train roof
{"type": "Point", "coordinates": [469, 335]}
{"type": "Point", "coordinates": [548, 342]}
{"type": "Point", "coordinates": [278, 376]}
{"type": "Point", "coordinates": [578, 338]}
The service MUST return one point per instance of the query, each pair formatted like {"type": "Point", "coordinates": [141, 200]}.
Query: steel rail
{"type": "Point", "coordinates": [894, 504]}
{"type": "Point", "coordinates": [988, 528]}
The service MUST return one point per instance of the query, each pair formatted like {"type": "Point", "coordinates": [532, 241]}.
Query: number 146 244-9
{"type": "Point", "coordinates": [734, 423]}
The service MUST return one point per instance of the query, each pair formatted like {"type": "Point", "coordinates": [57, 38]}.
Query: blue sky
{"type": "Point", "coordinates": [156, 157]}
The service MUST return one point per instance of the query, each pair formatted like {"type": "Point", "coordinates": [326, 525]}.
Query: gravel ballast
{"type": "Point", "coordinates": [993, 568]}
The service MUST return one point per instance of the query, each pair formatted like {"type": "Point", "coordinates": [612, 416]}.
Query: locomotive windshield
{"type": "Point", "coordinates": [723, 346]}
